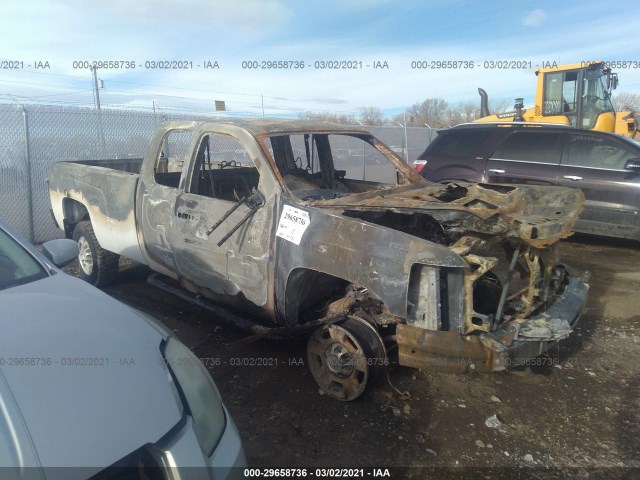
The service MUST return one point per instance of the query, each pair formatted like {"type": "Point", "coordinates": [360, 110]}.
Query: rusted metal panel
{"type": "Point", "coordinates": [362, 253]}
{"type": "Point", "coordinates": [442, 351]}
{"type": "Point", "coordinates": [424, 302]}
{"type": "Point", "coordinates": [538, 215]}
{"type": "Point", "coordinates": [505, 347]}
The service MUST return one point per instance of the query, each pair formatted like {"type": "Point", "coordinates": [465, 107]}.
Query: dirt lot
{"type": "Point", "coordinates": [575, 414]}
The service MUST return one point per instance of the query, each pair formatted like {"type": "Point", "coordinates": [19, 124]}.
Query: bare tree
{"type": "Point", "coordinates": [371, 116]}
{"type": "Point", "coordinates": [626, 101]}
{"type": "Point", "coordinates": [499, 106]}
{"type": "Point", "coordinates": [432, 112]}
{"type": "Point", "coordinates": [463, 113]}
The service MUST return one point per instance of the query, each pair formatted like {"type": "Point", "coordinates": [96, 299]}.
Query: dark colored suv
{"type": "Point", "coordinates": [604, 165]}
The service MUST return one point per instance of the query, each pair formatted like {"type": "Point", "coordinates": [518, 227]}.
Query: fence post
{"type": "Point", "coordinates": [27, 160]}
{"type": "Point", "coordinates": [430, 136]}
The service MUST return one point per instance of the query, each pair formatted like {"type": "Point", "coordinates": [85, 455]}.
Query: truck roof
{"type": "Point", "coordinates": [268, 126]}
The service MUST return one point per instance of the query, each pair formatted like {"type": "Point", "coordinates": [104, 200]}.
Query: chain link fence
{"type": "Point", "coordinates": [14, 168]}
{"type": "Point", "coordinates": [32, 137]}
{"type": "Point", "coordinates": [408, 143]}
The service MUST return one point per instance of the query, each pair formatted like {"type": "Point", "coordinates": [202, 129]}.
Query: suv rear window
{"type": "Point", "coordinates": [596, 152]}
{"type": "Point", "coordinates": [538, 147]}
{"type": "Point", "coordinates": [460, 144]}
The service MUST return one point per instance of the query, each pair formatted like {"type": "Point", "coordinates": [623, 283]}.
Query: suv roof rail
{"type": "Point", "coordinates": [493, 124]}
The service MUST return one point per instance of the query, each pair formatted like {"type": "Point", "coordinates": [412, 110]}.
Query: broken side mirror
{"type": "Point", "coordinates": [255, 200]}
{"type": "Point", "coordinates": [633, 164]}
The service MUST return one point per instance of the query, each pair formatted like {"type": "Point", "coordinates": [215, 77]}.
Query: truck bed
{"type": "Point", "coordinates": [103, 191]}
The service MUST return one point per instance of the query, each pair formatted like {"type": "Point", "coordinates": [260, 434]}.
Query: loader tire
{"type": "Point", "coordinates": [95, 265]}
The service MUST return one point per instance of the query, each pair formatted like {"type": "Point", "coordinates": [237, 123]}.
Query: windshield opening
{"type": "Point", "coordinates": [322, 166]}
{"type": "Point", "coordinates": [17, 266]}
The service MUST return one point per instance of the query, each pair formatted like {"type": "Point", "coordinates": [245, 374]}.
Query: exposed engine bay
{"type": "Point", "coordinates": [531, 275]}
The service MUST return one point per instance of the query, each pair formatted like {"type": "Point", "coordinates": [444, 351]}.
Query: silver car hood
{"type": "Point", "coordinates": [106, 391]}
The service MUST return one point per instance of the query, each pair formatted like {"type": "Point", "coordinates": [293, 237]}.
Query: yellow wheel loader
{"type": "Point", "coordinates": [577, 94]}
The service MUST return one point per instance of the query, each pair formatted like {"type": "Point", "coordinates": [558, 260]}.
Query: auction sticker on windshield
{"type": "Point", "coordinates": [293, 223]}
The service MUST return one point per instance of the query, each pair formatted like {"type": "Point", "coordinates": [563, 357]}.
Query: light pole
{"type": "Point", "coordinates": [405, 147]}
{"type": "Point", "coordinates": [430, 130]}
{"type": "Point", "coordinates": [94, 71]}
{"type": "Point", "coordinates": [406, 139]}
{"type": "Point", "coordinates": [96, 95]}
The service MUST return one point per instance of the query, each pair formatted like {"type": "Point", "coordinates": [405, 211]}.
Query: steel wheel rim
{"type": "Point", "coordinates": [338, 362]}
{"type": "Point", "coordinates": [85, 257]}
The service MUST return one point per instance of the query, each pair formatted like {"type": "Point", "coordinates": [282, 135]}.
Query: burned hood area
{"type": "Point", "coordinates": [442, 213]}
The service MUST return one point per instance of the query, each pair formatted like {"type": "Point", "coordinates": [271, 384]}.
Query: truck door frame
{"type": "Point", "coordinates": [155, 202]}
{"type": "Point", "coordinates": [239, 272]}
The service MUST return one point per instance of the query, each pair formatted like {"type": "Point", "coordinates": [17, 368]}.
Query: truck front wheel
{"type": "Point", "coordinates": [346, 357]}
{"type": "Point", "coordinates": [95, 265]}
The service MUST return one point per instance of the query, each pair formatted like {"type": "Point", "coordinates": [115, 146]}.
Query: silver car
{"type": "Point", "coordinates": [95, 387]}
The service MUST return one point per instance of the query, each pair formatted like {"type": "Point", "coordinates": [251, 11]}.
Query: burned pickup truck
{"type": "Point", "coordinates": [322, 229]}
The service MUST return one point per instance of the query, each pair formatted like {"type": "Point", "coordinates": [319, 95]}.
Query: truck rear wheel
{"type": "Point", "coordinates": [346, 357]}
{"type": "Point", "coordinates": [95, 265]}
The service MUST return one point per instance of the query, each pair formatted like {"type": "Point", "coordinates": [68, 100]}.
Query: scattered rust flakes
{"type": "Point", "coordinates": [387, 393]}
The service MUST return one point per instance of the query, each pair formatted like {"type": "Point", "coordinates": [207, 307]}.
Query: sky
{"type": "Point", "coordinates": [49, 41]}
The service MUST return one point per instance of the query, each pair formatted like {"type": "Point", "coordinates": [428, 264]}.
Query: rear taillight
{"type": "Point", "coordinates": [418, 165]}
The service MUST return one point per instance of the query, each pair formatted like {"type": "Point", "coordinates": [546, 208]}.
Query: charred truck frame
{"type": "Point", "coordinates": [320, 228]}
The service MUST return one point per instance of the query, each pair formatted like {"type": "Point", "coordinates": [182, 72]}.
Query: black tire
{"type": "Point", "coordinates": [95, 265]}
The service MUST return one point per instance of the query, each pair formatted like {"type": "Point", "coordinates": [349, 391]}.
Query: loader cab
{"type": "Point", "coordinates": [580, 96]}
